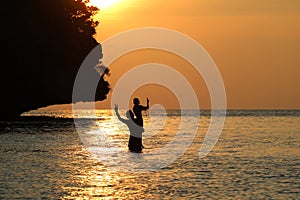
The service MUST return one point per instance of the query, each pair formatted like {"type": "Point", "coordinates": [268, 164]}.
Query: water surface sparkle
{"type": "Point", "coordinates": [257, 156]}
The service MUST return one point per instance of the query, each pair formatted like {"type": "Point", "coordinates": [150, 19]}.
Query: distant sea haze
{"type": "Point", "coordinates": [100, 113]}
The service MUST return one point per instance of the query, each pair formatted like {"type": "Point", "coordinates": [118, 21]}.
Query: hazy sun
{"type": "Point", "coordinates": [101, 4]}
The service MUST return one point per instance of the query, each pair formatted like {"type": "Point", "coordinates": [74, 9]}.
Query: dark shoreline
{"type": "Point", "coordinates": [42, 118]}
{"type": "Point", "coordinates": [203, 112]}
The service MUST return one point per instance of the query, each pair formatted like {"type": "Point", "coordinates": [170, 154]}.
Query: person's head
{"type": "Point", "coordinates": [129, 114]}
{"type": "Point", "coordinates": [136, 101]}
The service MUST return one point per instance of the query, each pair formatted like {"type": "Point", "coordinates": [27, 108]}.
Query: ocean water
{"type": "Point", "coordinates": [257, 156]}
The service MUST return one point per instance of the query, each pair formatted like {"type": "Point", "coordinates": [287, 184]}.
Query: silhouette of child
{"type": "Point", "coordinates": [137, 109]}
{"type": "Point", "coordinates": [135, 139]}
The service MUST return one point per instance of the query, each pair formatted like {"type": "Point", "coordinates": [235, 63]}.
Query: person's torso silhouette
{"type": "Point", "coordinates": [135, 139]}
{"type": "Point", "coordinates": [137, 109]}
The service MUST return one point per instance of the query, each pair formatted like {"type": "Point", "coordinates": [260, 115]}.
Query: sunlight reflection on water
{"type": "Point", "coordinates": [256, 157]}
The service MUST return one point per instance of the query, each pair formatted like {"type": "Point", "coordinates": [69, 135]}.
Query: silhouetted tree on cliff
{"type": "Point", "coordinates": [43, 45]}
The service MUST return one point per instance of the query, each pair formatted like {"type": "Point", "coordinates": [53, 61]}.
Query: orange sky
{"type": "Point", "coordinates": [255, 44]}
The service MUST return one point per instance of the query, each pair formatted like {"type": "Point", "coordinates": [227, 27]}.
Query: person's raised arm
{"type": "Point", "coordinates": [148, 103]}
{"type": "Point", "coordinates": [145, 107]}
{"type": "Point", "coordinates": [118, 114]}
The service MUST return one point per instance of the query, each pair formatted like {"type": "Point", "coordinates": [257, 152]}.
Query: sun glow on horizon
{"type": "Point", "coordinates": [103, 4]}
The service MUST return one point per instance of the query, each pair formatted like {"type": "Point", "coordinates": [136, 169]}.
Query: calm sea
{"type": "Point", "coordinates": [257, 156]}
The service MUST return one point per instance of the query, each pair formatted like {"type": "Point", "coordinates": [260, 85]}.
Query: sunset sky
{"type": "Point", "coordinates": [255, 44]}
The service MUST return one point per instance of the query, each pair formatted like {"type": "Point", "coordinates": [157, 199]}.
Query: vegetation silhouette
{"type": "Point", "coordinates": [43, 45]}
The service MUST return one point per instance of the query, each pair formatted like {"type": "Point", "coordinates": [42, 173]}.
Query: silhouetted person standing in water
{"type": "Point", "coordinates": [135, 139]}
{"type": "Point", "coordinates": [137, 109]}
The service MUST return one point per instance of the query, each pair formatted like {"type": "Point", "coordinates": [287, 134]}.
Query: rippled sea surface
{"type": "Point", "coordinates": [257, 156]}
